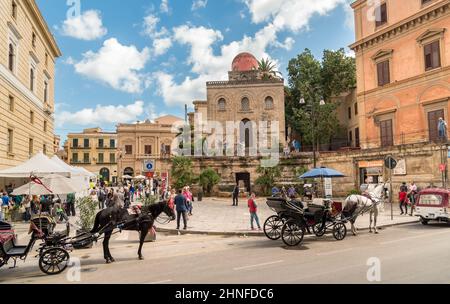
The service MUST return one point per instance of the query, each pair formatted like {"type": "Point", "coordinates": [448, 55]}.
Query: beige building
{"type": "Point", "coordinates": [27, 79]}
{"type": "Point", "coordinates": [348, 115]}
{"type": "Point", "coordinates": [56, 143]}
{"type": "Point", "coordinates": [94, 150]}
{"type": "Point", "coordinates": [145, 142]}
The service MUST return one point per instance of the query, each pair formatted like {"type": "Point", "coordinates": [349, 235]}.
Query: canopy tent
{"type": "Point", "coordinates": [52, 184]}
{"type": "Point", "coordinates": [39, 165]}
{"type": "Point", "coordinates": [127, 177]}
{"type": "Point", "coordinates": [79, 178]}
{"type": "Point", "coordinates": [140, 177]}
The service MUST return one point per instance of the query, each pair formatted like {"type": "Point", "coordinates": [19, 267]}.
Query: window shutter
{"type": "Point", "coordinates": [435, 54]}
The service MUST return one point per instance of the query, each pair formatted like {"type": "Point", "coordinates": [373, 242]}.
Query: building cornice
{"type": "Point", "coordinates": [431, 13]}
{"type": "Point", "coordinates": [33, 8]}
{"type": "Point", "coordinates": [244, 83]}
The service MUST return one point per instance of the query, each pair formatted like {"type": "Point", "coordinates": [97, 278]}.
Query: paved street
{"type": "Point", "coordinates": [408, 254]}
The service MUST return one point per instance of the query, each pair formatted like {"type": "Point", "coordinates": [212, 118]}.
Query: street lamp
{"type": "Point", "coordinates": [313, 129]}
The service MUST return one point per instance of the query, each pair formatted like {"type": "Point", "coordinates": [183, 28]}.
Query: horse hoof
{"type": "Point", "coordinates": [141, 258]}
{"type": "Point", "coordinates": [376, 232]}
{"type": "Point", "coordinates": [108, 261]}
{"type": "Point", "coordinates": [112, 260]}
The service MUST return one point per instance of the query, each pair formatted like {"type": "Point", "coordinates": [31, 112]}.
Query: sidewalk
{"type": "Point", "coordinates": [217, 216]}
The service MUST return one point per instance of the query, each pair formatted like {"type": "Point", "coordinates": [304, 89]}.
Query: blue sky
{"type": "Point", "coordinates": [125, 61]}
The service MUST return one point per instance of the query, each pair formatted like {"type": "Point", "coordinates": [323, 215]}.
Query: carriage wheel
{"type": "Point", "coordinates": [339, 231]}
{"type": "Point", "coordinates": [54, 261]}
{"type": "Point", "coordinates": [3, 261]}
{"type": "Point", "coordinates": [272, 228]}
{"type": "Point", "coordinates": [318, 231]}
{"type": "Point", "coordinates": [292, 234]}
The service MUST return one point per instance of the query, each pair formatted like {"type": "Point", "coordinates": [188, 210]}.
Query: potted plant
{"type": "Point", "coordinates": [148, 201]}
{"type": "Point", "coordinates": [87, 208]}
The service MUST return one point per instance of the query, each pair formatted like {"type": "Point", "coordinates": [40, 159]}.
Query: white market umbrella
{"type": "Point", "coordinates": [127, 177]}
{"type": "Point", "coordinates": [140, 177]}
{"type": "Point", "coordinates": [52, 184]}
{"type": "Point", "coordinates": [39, 165]}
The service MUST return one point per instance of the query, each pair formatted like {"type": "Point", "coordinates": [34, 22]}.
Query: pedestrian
{"type": "Point", "coordinates": [403, 200]}
{"type": "Point", "coordinates": [182, 209]}
{"type": "Point", "coordinates": [412, 193]}
{"type": "Point", "coordinates": [253, 209]}
{"type": "Point", "coordinates": [132, 190]}
{"type": "Point", "coordinates": [126, 199]}
{"type": "Point", "coordinates": [71, 204]}
{"type": "Point", "coordinates": [286, 150]}
{"type": "Point", "coordinates": [188, 195]}
{"type": "Point", "coordinates": [5, 206]}
{"type": "Point", "coordinates": [61, 215]}
{"type": "Point", "coordinates": [275, 191]}
{"type": "Point", "coordinates": [291, 192]}
{"type": "Point", "coordinates": [94, 197]}
{"type": "Point", "coordinates": [235, 195]}
{"type": "Point", "coordinates": [27, 205]}
{"type": "Point", "coordinates": [171, 201]}
{"type": "Point", "coordinates": [101, 198]}
{"type": "Point", "coordinates": [442, 129]}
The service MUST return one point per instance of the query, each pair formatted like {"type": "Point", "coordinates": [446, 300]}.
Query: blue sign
{"type": "Point", "coordinates": [149, 166]}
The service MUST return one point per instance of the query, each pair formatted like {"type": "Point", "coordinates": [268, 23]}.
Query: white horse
{"type": "Point", "coordinates": [356, 205]}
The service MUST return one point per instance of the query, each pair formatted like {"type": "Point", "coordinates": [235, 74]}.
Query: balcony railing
{"type": "Point", "coordinates": [80, 147]}
{"type": "Point", "coordinates": [106, 148]}
{"type": "Point", "coordinates": [79, 162]}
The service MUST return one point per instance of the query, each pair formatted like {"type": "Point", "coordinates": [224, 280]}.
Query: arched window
{"type": "Point", "coordinates": [268, 103]}
{"type": "Point", "coordinates": [222, 104]}
{"type": "Point", "coordinates": [11, 57]}
{"type": "Point", "coordinates": [245, 104]}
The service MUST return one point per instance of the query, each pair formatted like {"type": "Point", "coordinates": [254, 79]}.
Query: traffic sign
{"type": "Point", "coordinates": [149, 166]}
{"type": "Point", "coordinates": [390, 163]}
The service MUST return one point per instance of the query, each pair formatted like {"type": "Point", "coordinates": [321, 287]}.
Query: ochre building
{"type": "Point", "coordinates": [27, 79]}
{"type": "Point", "coordinates": [403, 70]}
{"type": "Point", "coordinates": [95, 150]}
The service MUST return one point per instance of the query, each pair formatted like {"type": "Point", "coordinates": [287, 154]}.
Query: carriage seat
{"type": "Point", "coordinates": [12, 250]}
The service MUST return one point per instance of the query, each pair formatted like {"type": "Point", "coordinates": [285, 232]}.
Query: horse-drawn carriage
{"type": "Point", "coordinates": [293, 220]}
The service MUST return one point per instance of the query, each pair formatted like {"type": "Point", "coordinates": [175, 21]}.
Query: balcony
{"type": "Point", "coordinates": [103, 163]}
{"type": "Point", "coordinates": [80, 148]}
{"type": "Point", "coordinates": [79, 162]}
{"type": "Point", "coordinates": [48, 109]}
{"type": "Point", "coordinates": [106, 148]}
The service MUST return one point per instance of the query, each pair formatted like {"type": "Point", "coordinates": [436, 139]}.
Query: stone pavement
{"type": "Point", "coordinates": [217, 216]}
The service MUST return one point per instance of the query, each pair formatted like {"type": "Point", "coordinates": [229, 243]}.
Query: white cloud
{"type": "Point", "coordinates": [280, 12]}
{"type": "Point", "coordinates": [287, 44]}
{"type": "Point", "coordinates": [116, 65]}
{"type": "Point", "coordinates": [102, 115]}
{"type": "Point", "coordinates": [164, 7]}
{"type": "Point", "coordinates": [162, 41]}
{"type": "Point", "coordinates": [87, 26]}
{"type": "Point", "coordinates": [198, 4]}
{"type": "Point", "coordinates": [161, 46]}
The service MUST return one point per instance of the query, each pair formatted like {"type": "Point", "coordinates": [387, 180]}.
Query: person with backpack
{"type": "Point", "coordinates": [101, 198]}
{"type": "Point", "coordinates": [253, 209]}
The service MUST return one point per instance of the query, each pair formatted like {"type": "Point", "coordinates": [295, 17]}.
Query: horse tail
{"type": "Point", "coordinates": [96, 224]}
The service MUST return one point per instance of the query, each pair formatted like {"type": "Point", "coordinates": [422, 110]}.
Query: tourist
{"type": "Point", "coordinates": [26, 203]}
{"type": "Point", "coordinates": [94, 197]}
{"type": "Point", "coordinates": [442, 129]}
{"type": "Point", "coordinates": [412, 193]}
{"type": "Point", "coordinates": [71, 204]}
{"type": "Point", "coordinates": [109, 199]}
{"type": "Point", "coordinates": [171, 201]}
{"type": "Point", "coordinates": [5, 206]}
{"type": "Point", "coordinates": [275, 191]}
{"type": "Point", "coordinates": [61, 215]}
{"type": "Point", "coordinates": [403, 199]}
{"type": "Point", "coordinates": [101, 197]}
{"type": "Point", "coordinates": [235, 195]}
{"type": "Point", "coordinates": [182, 208]}
{"type": "Point", "coordinates": [46, 204]}
{"type": "Point", "coordinates": [188, 195]}
{"type": "Point", "coordinates": [292, 192]}
{"type": "Point", "coordinates": [35, 205]}
{"type": "Point", "coordinates": [253, 209]}
{"type": "Point", "coordinates": [132, 190]}
{"type": "Point", "coordinates": [127, 199]}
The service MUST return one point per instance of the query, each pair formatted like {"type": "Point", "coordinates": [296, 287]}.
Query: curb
{"type": "Point", "coordinates": [255, 234]}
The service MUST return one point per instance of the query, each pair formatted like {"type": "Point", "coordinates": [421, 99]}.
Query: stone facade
{"type": "Point", "coordinates": [403, 71]}
{"type": "Point", "coordinates": [27, 76]}
{"type": "Point", "coordinates": [150, 141]}
{"type": "Point", "coordinates": [94, 150]}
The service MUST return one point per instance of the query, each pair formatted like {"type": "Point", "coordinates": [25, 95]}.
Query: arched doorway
{"type": "Point", "coordinates": [105, 174]}
{"type": "Point", "coordinates": [128, 171]}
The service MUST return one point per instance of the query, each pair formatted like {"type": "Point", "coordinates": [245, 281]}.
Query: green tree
{"type": "Point", "coordinates": [267, 69]}
{"type": "Point", "coordinates": [267, 177]}
{"type": "Point", "coordinates": [315, 80]}
{"type": "Point", "coordinates": [182, 172]}
{"type": "Point", "coordinates": [208, 179]}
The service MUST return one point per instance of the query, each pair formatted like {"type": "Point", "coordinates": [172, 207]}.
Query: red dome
{"type": "Point", "coordinates": [244, 62]}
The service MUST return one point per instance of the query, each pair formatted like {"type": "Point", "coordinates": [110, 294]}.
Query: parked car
{"type": "Point", "coordinates": [433, 205]}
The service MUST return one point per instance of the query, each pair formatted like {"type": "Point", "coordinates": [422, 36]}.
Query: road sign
{"type": "Point", "coordinates": [149, 166]}
{"type": "Point", "coordinates": [390, 163]}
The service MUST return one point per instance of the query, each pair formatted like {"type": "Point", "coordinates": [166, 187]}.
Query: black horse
{"type": "Point", "coordinates": [109, 219]}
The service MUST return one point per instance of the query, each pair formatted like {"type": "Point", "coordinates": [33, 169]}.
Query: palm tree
{"type": "Point", "coordinates": [267, 69]}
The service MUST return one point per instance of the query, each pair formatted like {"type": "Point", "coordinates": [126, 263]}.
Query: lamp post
{"type": "Point", "coordinates": [313, 129]}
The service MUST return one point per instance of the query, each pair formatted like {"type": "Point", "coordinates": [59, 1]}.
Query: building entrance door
{"type": "Point", "coordinates": [243, 178]}
{"type": "Point", "coordinates": [105, 174]}
{"type": "Point", "coordinates": [433, 122]}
